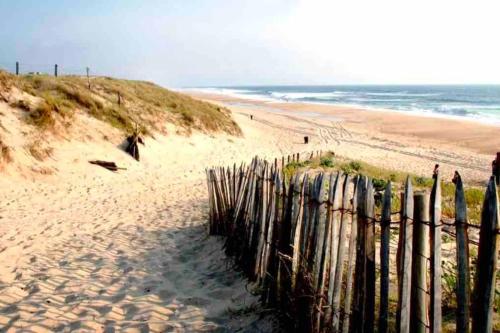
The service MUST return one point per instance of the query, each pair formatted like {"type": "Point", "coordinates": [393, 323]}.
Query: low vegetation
{"type": "Point", "coordinates": [38, 151]}
{"type": "Point", "coordinates": [474, 196]}
{"type": "Point", "coordinates": [5, 153]}
{"type": "Point", "coordinates": [123, 104]}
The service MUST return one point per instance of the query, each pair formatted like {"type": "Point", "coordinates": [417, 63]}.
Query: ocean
{"type": "Point", "coordinates": [475, 102]}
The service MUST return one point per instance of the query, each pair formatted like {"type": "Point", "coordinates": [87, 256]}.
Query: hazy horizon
{"type": "Point", "coordinates": [258, 43]}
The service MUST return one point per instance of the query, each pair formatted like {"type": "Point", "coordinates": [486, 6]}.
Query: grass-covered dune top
{"type": "Point", "coordinates": [120, 103]}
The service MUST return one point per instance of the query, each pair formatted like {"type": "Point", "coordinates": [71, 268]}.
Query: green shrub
{"type": "Point", "coordinates": [326, 162]}
{"type": "Point", "coordinates": [355, 165]}
{"type": "Point", "coordinates": [474, 196]}
{"type": "Point", "coordinates": [424, 181]}
{"type": "Point", "coordinates": [379, 184]}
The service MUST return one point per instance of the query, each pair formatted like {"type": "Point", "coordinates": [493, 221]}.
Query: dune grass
{"type": "Point", "coordinates": [141, 103]}
{"type": "Point", "coordinates": [5, 153]}
{"type": "Point", "coordinates": [474, 196]}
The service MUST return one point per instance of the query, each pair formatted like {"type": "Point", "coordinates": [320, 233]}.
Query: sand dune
{"type": "Point", "coordinates": [85, 249]}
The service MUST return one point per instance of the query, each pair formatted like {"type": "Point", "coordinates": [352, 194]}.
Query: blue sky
{"type": "Point", "coordinates": [202, 43]}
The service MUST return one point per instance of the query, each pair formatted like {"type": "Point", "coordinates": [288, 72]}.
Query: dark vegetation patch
{"type": "Point", "coordinates": [5, 153]}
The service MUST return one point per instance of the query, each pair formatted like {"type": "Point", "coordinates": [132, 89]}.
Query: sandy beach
{"type": "Point", "coordinates": [409, 142]}
{"type": "Point", "coordinates": [85, 249]}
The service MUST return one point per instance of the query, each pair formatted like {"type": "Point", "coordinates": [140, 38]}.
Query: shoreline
{"type": "Point", "coordinates": [474, 136]}
{"type": "Point", "coordinates": [483, 120]}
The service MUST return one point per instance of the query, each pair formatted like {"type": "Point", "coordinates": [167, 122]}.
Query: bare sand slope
{"type": "Point", "coordinates": [90, 250]}
{"type": "Point", "coordinates": [86, 249]}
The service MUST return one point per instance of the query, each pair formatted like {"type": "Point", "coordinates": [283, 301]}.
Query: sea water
{"type": "Point", "coordinates": [475, 102]}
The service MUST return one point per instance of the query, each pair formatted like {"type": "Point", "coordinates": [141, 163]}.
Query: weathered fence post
{"type": "Point", "coordinates": [339, 270]}
{"type": "Point", "coordinates": [359, 273]}
{"type": "Point", "coordinates": [484, 289]}
{"type": "Point", "coordinates": [351, 261]}
{"type": "Point", "coordinates": [419, 264]}
{"type": "Point", "coordinates": [370, 276]}
{"type": "Point", "coordinates": [262, 222]}
{"type": "Point", "coordinates": [55, 70]}
{"type": "Point", "coordinates": [435, 257]}
{"type": "Point", "coordinates": [406, 237]}
{"type": "Point", "coordinates": [463, 273]}
{"type": "Point", "coordinates": [299, 232]}
{"type": "Point", "coordinates": [325, 250]}
{"type": "Point", "coordinates": [17, 67]}
{"type": "Point", "coordinates": [269, 251]}
{"type": "Point", "coordinates": [384, 260]}
{"type": "Point", "coordinates": [274, 261]}
{"type": "Point", "coordinates": [334, 199]}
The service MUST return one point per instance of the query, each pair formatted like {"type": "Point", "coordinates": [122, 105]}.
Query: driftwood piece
{"type": "Point", "coordinates": [107, 165]}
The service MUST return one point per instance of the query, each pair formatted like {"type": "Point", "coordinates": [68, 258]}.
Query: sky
{"type": "Point", "coordinates": [188, 43]}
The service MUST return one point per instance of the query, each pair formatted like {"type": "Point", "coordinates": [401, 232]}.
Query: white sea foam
{"type": "Point", "coordinates": [308, 95]}
{"type": "Point", "coordinates": [233, 92]}
{"type": "Point", "coordinates": [401, 93]}
{"type": "Point", "coordinates": [408, 102]}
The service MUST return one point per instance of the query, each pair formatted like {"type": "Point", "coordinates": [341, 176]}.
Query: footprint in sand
{"type": "Point", "coordinates": [128, 270]}
{"type": "Point", "coordinates": [166, 295]}
{"type": "Point", "coordinates": [9, 309]}
{"type": "Point", "coordinates": [70, 298]}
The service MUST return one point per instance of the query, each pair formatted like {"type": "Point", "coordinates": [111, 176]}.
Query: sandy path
{"type": "Point", "coordinates": [89, 250]}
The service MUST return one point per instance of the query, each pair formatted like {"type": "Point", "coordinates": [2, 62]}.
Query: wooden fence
{"type": "Point", "coordinates": [319, 248]}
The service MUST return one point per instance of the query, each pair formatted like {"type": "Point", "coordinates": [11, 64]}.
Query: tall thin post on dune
{"type": "Point", "coordinates": [17, 67]}
{"type": "Point", "coordinates": [88, 77]}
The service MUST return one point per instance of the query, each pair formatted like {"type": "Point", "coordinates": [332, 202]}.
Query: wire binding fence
{"type": "Point", "coordinates": [319, 252]}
